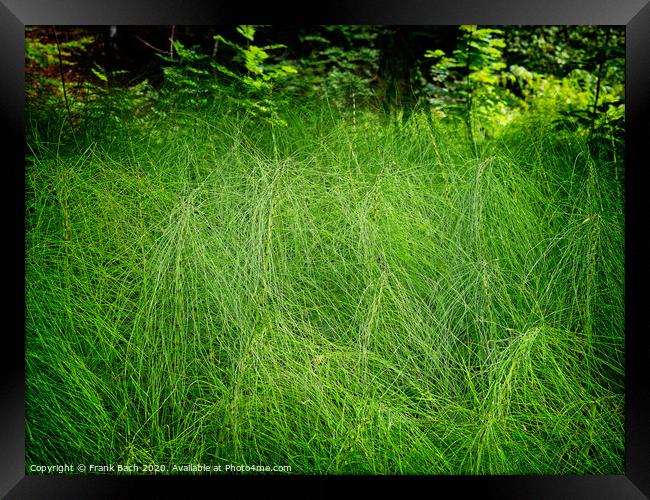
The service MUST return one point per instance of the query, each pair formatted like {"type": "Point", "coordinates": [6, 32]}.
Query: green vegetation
{"type": "Point", "coordinates": [311, 284]}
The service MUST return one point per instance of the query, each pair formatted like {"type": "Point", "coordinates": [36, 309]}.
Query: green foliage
{"type": "Point", "coordinates": [484, 75]}
{"type": "Point", "coordinates": [342, 64]}
{"type": "Point", "coordinates": [186, 75]}
{"type": "Point", "coordinates": [247, 31]}
{"type": "Point", "coordinates": [560, 74]}
{"type": "Point", "coordinates": [100, 73]}
{"type": "Point", "coordinates": [260, 82]}
{"type": "Point", "coordinates": [90, 99]}
{"type": "Point", "coordinates": [470, 81]}
{"type": "Point", "coordinates": [249, 79]}
{"type": "Point", "coordinates": [340, 296]}
{"type": "Point", "coordinates": [558, 50]}
{"type": "Point", "coordinates": [43, 60]}
{"type": "Point", "coordinates": [570, 101]}
{"type": "Point", "coordinates": [45, 54]}
{"type": "Point", "coordinates": [367, 300]}
{"type": "Point", "coordinates": [117, 105]}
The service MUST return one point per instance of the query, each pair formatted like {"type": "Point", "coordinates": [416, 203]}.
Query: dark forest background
{"type": "Point", "coordinates": [485, 76]}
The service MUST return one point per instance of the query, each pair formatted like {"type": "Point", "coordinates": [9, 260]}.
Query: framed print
{"type": "Point", "coordinates": [364, 243]}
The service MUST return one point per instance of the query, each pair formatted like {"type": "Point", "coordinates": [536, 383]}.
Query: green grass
{"type": "Point", "coordinates": [338, 297]}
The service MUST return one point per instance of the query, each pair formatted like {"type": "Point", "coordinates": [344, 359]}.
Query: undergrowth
{"type": "Point", "coordinates": [338, 296]}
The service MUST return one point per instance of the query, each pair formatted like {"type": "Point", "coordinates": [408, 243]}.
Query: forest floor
{"type": "Point", "coordinates": [337, 296]}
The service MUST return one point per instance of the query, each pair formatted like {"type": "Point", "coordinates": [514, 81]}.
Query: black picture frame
{"type": "Point", "coordinates": [16, 14]}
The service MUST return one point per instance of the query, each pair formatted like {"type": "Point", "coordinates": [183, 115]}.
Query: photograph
{"type": "Point", "coordinates": [325, 249]}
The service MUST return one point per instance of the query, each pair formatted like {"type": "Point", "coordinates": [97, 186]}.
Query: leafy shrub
{"type": "Point", "coordinates": [249, 80]}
